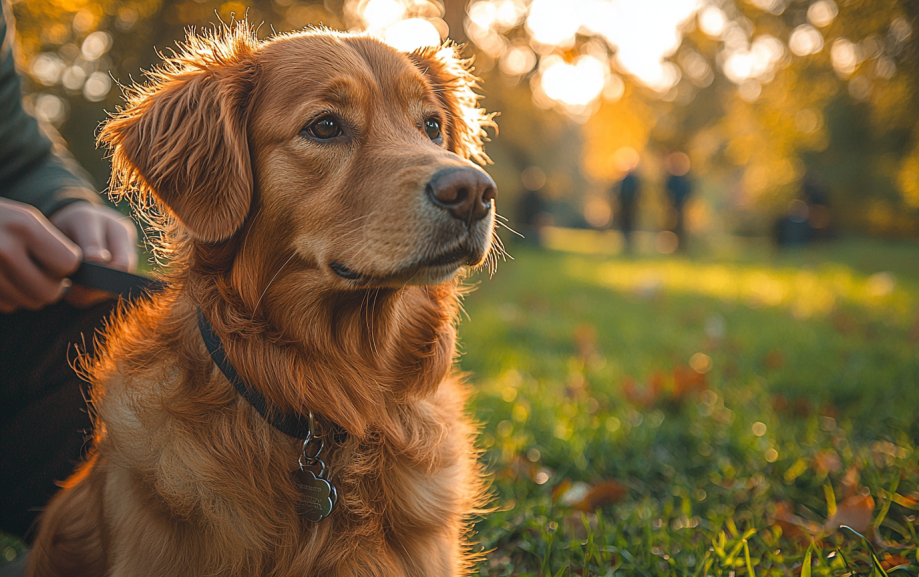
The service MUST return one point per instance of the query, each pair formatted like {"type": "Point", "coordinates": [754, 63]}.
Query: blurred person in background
{"type": "Point", "coordinates": [626, 196]}
{"type": "Point", "coordinates": [794, 228]}
{"type": "Point", "coordinates": [50, 221]}
{"type": "Point", "coordinates": [817, 196]}
{"type": "Point", "coordinates": [679, 189]}
{"type": "Point", "coordinates": [625, 193]}
{"type": "Point", "coordinates": [532, 214]}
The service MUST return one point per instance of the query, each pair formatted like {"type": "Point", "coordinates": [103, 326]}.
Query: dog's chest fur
{"type": "Point", "coordinates": [204, 467]}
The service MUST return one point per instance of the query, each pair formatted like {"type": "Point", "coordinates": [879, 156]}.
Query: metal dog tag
{"type": "Point", "coordinates": [318, 496]}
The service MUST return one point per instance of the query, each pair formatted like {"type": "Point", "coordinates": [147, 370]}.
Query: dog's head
{"type": "Point", "coordinates": [319, 153]}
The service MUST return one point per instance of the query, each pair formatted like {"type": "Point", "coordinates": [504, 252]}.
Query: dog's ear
{"type": "Point", "coordinates": [451, 78]}
{"type": "Point", "coordinates": [182, 137]}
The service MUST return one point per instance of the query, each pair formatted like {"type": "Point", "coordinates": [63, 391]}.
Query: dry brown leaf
{"type": "Point", "coordinates": [601, 495]}
{"type": "Point", "coordinates": [854, 511]}
{"type": "Point", "coordinates": [891, 561]}
{"type": "Point", "coordinates": [687, 381]}
{"type": "Point", "coordinates": [775, 359]}
{"type": "Point", "coordinates": [850, 481]}
{"type": "Point", "coordinates": [560, 489]}
{"type": "Point", "coordinates": [793, 527]}
{"type": "Point", "coordinates": [585, 337]}
{"type": "Point", "coordinates": [826, 462]}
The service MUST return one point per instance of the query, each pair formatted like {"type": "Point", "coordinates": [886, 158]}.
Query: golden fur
{"type": "Point", "coordinates": [185, 478]}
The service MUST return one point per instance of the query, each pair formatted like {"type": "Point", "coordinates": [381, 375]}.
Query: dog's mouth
{"type": "Point", "coordinates": [428, 270]}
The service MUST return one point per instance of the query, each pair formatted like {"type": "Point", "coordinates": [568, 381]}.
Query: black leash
{"type": "Point", "coordinates": [117, 282]}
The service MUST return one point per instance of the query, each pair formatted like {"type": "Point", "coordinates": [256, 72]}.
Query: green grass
{"type": "Point", "coordinates": [809, 406]}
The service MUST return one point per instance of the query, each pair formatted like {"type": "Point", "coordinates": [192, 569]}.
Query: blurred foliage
{"type": "Point", "coordinates": [751, 139]}
{"type": "Point", "coordinates": [646, 415]}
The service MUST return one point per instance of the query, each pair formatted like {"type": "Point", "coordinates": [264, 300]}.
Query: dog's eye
{"type": "Point", "coordinates": [324, 128]}
{"type": "Point", "coordinates": [432, 128]}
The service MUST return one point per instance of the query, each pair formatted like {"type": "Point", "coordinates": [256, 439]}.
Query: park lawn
{"type": "Point", "coordinates": [608, 453]}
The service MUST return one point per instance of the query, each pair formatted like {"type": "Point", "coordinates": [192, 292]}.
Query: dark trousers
{"type": "Point", "coordinates": [627, 221]}
{"type": "Point", "coordinates": [45, 427]}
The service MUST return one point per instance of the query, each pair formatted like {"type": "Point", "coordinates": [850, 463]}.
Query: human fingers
{"type": "Point", "coordinates": [121, 239]}
{"type": "Point", "coordinates": [24, 285]}
{"type": "Point", "coordinates": [87, 228]}
{"type": "Point", "coordinates": [43, 242]}
{"type": "Point", "coordinates": [11, 298]}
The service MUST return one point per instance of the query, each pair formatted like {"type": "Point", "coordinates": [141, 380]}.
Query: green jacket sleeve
{"type": "Point", "coordinates": [33, 169]}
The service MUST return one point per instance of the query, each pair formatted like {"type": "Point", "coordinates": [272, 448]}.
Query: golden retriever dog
{"type": "Point", "coordinates": [314, 196]}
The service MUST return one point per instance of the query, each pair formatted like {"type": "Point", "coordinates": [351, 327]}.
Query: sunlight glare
{"type": "Point", "coordinates": [805, 40]}
{"type": "Point", "coordinates": [554, 22]}
{"type": "Point", "coordinates": [712, 21]}
{"type": "Point", "coordinates": [756, 63]}
{"type": "Point", "coordinates": [407, 35]}
{"type": "Point", "coordinates": [822, 13]}
{"type": "Point", "coordinates": [483, 14]}
{"type": "Point", "coordinates": [403, 24]}
{"type": "Point", "coordinates": [645, 33]}
{"type": "Point", "coordinates": [844, 55]}
{"type": "Point", "coordinates": [577, 84]}
{"type": "Point", "coordinates": [772, 6]}
{"type": "Point", "coordinates": [518, 60]}
{"type": "Point", "coordinates": [509, 13]}
{"type": "Point", "coordinates": [379, 14]}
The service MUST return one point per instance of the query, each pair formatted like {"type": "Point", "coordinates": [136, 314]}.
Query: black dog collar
{"type": "Point", "coordinates": [290, 425]}
{"type": "Point", "coordinates": [132, 286]}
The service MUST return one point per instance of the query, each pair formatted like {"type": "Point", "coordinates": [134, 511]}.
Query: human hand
{"type": "Point", "coordinates": [35, 258]}
{"type": "Point", "coordinates": [105, 235]}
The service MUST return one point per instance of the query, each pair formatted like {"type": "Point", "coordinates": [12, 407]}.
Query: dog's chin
{"type": "Point", "coordinates": [422, 272]}
{"type": "Point", "coordinates": [433, 275]}
{"type": "Point", "coordinates": [411, 275]}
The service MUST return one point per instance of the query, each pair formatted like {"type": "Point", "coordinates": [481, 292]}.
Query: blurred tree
{"type": "Point", "coordinates": [757, 92]}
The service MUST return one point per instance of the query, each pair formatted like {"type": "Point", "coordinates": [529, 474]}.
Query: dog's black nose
{"type": "Point", "coordinates": [466, 193]}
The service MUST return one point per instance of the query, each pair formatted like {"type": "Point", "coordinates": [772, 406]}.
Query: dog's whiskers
{"type": "Point", "coordinates": [272, 280]}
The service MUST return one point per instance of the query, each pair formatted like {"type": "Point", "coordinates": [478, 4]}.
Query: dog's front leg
{"type": "Point", "coordinates": [71, 535]}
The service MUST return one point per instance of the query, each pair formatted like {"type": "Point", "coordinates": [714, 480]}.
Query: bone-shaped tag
{"type": "Point", "coordinates": [318, 496]}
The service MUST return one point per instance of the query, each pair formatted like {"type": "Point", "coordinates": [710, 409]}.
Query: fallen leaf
{"type": "Point", "coordinates": [793, 528]}
{"type": "Point", "coordinates": [641, 396]}
{"type": "Point", "coordinates": [560, 489]}
{"type": "Point", "coordinates": [585, 337]}
{"type": "Point", "coordinates": [843, 323]}
{"type": "Point", "coordinates": [826, 462]}
{"type": "Point", "coordinates": [601, 495]}
{"type": "Point", "coordinates": [687, 382]}
{"type": "Point", "coordinates": [914, 332]}
{"type": "Point", "coordinates": [891, 561]}
{"type": "Point", "coordinates": [802, 407]}
{"type": "Point", "coordinates": [574, 493]}
{"type": "Point", "coordinates": [775, 359]}
{"type": "Point", "coordinates": [850, 481]}
{"type": "Point", "coordinates": [779, 403]}
{"type": "Point", "coordinates": [854, 511]}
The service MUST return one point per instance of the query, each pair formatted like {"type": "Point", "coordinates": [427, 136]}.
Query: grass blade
{"type": "Point", "coordinates": [746, 555]}
{"type": "Point", "coordinates": [874, 557]}
{"type": "Point", "coordinates": [830, 500]}
{"type": "Point", "coordinates": [844, 561]}
{"type": "Point", "coordinates": [806, 567]}
{"type": "Point", "coordinates": [890, 496]}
